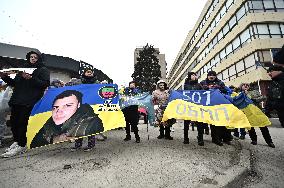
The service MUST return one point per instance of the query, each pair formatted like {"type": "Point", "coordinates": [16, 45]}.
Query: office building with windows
{"type": "Point", "coordinates": [235, 38]}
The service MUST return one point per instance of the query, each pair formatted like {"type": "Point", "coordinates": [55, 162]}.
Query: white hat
{"type": "Point", "coordinates": [161, 81]}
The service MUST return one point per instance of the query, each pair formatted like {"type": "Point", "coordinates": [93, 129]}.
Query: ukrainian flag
{"type": "Point", "coordinates": [255, 116]}
{"type": "Point", "coordinates": [207, 106]}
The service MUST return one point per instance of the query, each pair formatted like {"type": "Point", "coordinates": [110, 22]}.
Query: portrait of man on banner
{"type": "Point", "coordinates": [70, 119]}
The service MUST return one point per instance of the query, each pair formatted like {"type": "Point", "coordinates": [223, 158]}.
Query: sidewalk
{"type": "Point", "coordinates": [115, 163]}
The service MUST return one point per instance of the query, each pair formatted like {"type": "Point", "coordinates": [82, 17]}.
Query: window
{"type": "Point", "coordinates": [229, 49]}
{"type": "Point", "coordinates": [232, 70]}
{"type": "Point", "coordinates": [257, 5]}
{"type": "Point", "coordinates": [219, 76]}
{"type": "Point", "coordinates": [232, 22]}
{"type": "Point", "coordinates": [214, 42]}
{"type": "Point", "coordinates": [229, 3]}
{"type": "Point", "coordinates": [264, 56]}
{"type": "Point", "coordinates": [223, 54]}
{"type": "Point", "coordinates": [268, 5]}
{"type": "Point", "coordinates": [236, 43]}
{"type": "Point", "coordinates": [279, 4]}
{"type": "Point", "coordinates": [226, 29]}
{"type": "Point", "coordinates": [225, 74]}
{"type": "Point", "coordinates": [262, 29]}
{"type": "Point", "coordinates": [220, 35]}
{"type": "Point", "coordinates": [240, 66]}
{"type": "Point", "coordinates": [282, 28]}
{"type": "Point", "coordinates": [223, 11]}
{"type": "Point", "coordinates": [249, 61]}
{"type": "Point", "coordinates": [241, 13]}
{"type": "Point", "coordinates": [245, 36]}
{"type": "Point", "coordinates": [274, 29]}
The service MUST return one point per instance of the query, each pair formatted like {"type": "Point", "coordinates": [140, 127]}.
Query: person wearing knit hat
{"type": "Point", "coordinates": [278, 58]}
{"type": "Point", "coordinates": [160, 97]}
{"type": "Point", "coordinates": [191, 83]}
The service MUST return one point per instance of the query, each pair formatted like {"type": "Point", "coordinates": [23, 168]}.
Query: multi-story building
{"type": "Point", "coordinates": [162, 61]}
{"type": "Point", "coordinates": [235, 38]}
{"type": "Point", "coordinates": [63, 68]}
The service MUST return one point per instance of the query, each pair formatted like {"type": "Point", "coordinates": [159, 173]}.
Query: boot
{"type": "Point", "coordinates": [127, 138]}
{"type": "Point", "coordinates": [186, 141]}
{"type": "Point", "coordinates": [137, 139]}
{"type": "Point", "coordinates": [168, 133]}
{"type": "Point", "coordinates": [162, 135]}
{"type": "Point", "coordinates": [91, 143]}
{"type": "Point", "coordinates": [78, 144]}
{"type": "Point", "coordinates": [271, 145]}
{"type": "Point", "coordinates": [200, 140]}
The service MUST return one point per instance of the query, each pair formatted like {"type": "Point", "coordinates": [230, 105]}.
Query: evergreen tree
{"type": "Point", "coordinates": [147, 69]}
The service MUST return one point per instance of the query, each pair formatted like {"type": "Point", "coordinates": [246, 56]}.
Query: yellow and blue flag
{"type": "Point", "coordinates": [55, 119]}
{"type": "Point", "coordinates": [207, 106]}
{"type": "Point", "coordinates": [255, 116]}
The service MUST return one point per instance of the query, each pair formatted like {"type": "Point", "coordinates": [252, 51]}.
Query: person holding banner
{"type": "Point", "coordinates": [131, 113]}
{"type": "Point", "coordinates": [191, 83]}
{"type": "Point", "coordinates": [86, 78]}
{"type": "Point", "coordinates": [160, 100]}
{"type": "Point", "coordinates": [28, 89]}
{"type": "Point", "coordinates": [217, 132]}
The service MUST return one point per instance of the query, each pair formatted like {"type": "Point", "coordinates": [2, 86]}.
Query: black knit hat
{"type": "Point", "coordinates": [211, 73]}
{"type": "Point", "coordinates": [190, 73]}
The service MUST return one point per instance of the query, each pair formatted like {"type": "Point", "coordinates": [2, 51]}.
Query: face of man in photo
{"type": "Point", "coordinates": [64, 108]}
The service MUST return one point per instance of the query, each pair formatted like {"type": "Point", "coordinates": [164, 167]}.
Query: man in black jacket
{"type": "Point", "coordinates": [28, 89]}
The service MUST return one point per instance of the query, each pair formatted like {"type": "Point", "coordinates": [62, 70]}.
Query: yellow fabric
{"type": "Point", "coordinates": [215, 115]}
{"type": "Point", "coordinates": [255, 116]}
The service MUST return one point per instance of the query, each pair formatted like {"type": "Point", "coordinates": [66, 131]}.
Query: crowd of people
{"type": "Point", "coordinates": [27, 89]}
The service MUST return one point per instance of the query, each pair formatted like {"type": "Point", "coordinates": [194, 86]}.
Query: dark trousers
{"type": "Point", "coordinates": [19, 121]}
{"type": "Point", "coordinates": [242, 132]}
{"type": "Point", "coordinates": [165, 130]}
{"type": "Point", "coordinates": [265, 134]}
{"type": "Point", "coordinates": [280, 114]}
{"type": "Point", "coordinates": [200, 128]}
{"type": "Point", "coordinates": [131, 116]}
{"type": "Point", "coordinates": [216, 132]}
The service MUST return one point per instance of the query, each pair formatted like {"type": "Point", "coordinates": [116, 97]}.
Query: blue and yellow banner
{"type": "Point", "coordinates": [142, 100]}
{"type": "Point", "coordinates": [207, 106]}
{"type": "Point", "coordinates": [255, 116]}
{"type": "Point", "coordinates": [74, 111]}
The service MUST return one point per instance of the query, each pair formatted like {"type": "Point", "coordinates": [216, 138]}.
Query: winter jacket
{"type": "Point", "coordinates": [275, 94]}
{"type": "Point", "coordinates": [192, 85]}
{"type": "Point", "coordinates": [217, 84]}
{"type": "Point", "coordinates": [28, 91]}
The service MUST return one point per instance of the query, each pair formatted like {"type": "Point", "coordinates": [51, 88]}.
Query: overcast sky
{"type": "Point", "coordinates": [103, 33]}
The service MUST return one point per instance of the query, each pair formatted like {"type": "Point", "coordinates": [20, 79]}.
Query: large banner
{"type": "Point", "coordinates": [208, 106]}
{"type": "Point", "coordinates": [142, 100]}
{"type": "Point", "coordinates": [74, 111]}
{"type": "Point", "coordinates": [255, 116]}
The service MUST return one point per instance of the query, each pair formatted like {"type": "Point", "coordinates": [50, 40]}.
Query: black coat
{"type": "Point", "coordinates": [28, 91]}
{"type": "Point", "coordinates": [275, 94]}
{"type": "Point", "coordinates": [217, 84]}
{"type": "Point", "coordinates": [192, 85]}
